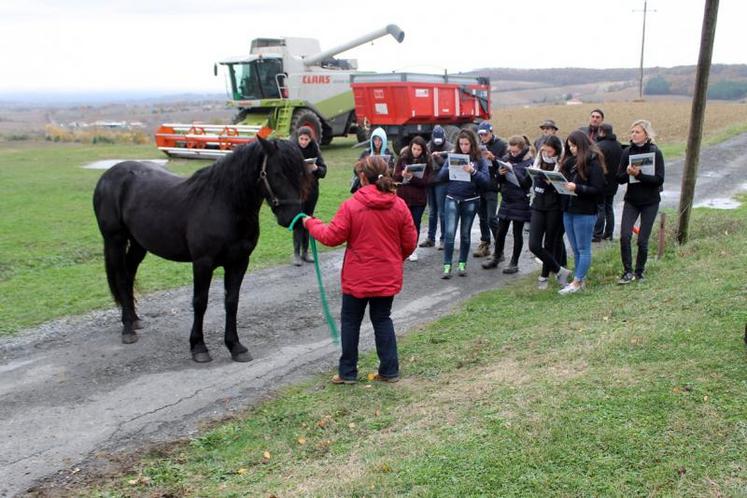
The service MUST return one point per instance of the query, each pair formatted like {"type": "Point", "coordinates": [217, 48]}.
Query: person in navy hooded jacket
{"type": "Point", "coordinates": [462, 200]}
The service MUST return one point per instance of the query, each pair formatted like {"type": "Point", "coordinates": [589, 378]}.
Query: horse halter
{"type": "Point", "coordinates": [274, 200]}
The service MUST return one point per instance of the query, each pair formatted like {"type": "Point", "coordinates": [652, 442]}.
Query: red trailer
{"type": "Point", "coordinates": [409, 104]}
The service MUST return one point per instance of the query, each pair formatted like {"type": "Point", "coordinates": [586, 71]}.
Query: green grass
{"type": "Point", "coordinates": [677, 150]}
{"type": "Point", "coordinates": [51, 262]}
{"type": "Point", "coordinates": [618, 391]}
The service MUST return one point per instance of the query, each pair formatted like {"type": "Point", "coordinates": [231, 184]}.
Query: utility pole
{"type": "Point", "coordinates": [643, 44]}
{"type": "Point", "coordinates": [692, 155]}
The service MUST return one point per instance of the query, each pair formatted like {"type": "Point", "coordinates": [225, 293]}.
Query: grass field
{"type": "Point", "coordinates": [670, 119]}
{"type": "Point", "coordinates": [619, 391]}
{"type": "Point", "coordinates": [50, 249]}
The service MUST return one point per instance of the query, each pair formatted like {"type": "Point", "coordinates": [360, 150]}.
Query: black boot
{"type": "Point", "coordinates": [513, 267]}
{"type": "Point", "coordinates": [496, 257]}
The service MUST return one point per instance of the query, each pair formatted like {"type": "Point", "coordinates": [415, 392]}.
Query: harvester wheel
{"type": "Point", "coordinates": [451, 133]}
{"type": "Point", "coordinates": [305, 117]}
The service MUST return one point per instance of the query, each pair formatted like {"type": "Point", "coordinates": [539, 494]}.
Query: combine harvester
{"type": "Point", "coordinates": [287, 83]}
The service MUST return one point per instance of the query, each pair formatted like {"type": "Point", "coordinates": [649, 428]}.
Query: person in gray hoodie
{"type": "Point", "coordinates": [377, 147]}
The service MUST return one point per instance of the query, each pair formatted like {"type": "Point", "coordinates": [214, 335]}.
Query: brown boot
{"type": "Point", "coordinates": [482, 250]}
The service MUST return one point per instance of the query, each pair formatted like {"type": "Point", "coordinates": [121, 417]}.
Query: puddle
{"type": "Point", "coordinates": [108, 163]}
{"type": "Point", "coordinates": [722, 203]}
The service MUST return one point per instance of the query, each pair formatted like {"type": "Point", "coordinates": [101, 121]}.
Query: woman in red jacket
{"type": "Point", "coordinates": [380, 235]}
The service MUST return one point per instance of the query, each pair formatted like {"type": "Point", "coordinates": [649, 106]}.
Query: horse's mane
{"type": "Point", "coordinates": [235, 175]}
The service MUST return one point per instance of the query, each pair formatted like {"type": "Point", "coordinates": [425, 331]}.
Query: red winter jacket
{"type": "Point", "coordinates": [380, 234]}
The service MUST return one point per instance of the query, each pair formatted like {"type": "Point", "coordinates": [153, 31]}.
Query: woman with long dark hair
{"type": "Point", "coordinates": [413, 186]}
{"type": "Point", "coordinates": [318, 170]}
{"type": "Point", "coordinates": [585, 171]}
{"type": "Point", "coordinates": [462, 199]}
{"type": "Point", "coordinates": [546, 226]}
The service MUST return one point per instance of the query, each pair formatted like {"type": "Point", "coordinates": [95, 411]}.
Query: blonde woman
{"type": "Point", "coordinates": [644, 183]}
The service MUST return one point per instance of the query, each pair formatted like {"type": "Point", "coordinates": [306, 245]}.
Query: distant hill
{"type": "Point", "coordinates": [53, 98]}
{"type": "Point", "coordinates": [529, 86]}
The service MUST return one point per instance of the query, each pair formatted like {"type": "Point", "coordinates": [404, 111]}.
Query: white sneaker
{"type": "Point", "coordinates": [571, 288]}
{"type": "Point", "coordinates": [563, 275]}
{"type": "Point", "coordinates": [413, 256]}
{"type": "Point", "coordinates": [542, 283]}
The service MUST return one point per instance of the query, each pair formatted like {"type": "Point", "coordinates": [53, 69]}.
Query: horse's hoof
{"type": "Point", "coordinates": [129, 338]}
{"type": "Point", "coordinates": [137, 324]}
{"type": "Point", "coordinates": [203, 357]}
{"type": "Point", "coordinates": [242, 357]}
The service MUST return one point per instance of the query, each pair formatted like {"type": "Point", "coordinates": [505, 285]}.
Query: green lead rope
{"type": "Point", "coordinates": [322, 293]}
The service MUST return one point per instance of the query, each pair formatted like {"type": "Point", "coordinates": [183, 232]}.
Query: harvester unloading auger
{"type": "Point", "coordinates": [283, 84]}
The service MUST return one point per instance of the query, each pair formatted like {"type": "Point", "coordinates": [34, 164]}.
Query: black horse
{"type": "Point", "coordinates": [210, 219]}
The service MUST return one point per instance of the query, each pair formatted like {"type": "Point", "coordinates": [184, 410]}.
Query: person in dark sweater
{"type": "Point", "coordinates": [642, 196]}
{"type": "Point", "coordinates": [309, 149]}
{"type": "Point", "coordinates": [493, 148]}
{"type": "Point", "coordinates": [585, 172]}
{"type": "Point", "coordinates": [413, 186]}
{"type": "Point", "coordinates": [462, 199]}
{"type": "Point", "coordinates": [546, 225]}
{"type": "Point", "coordinates": [514, 208]}
{"type": "Point", "coordinates": [611, 150]}
{"type": "Point", "coordinates": [596, 118]}
{"type": "Point", "coordinates": [438, 148]}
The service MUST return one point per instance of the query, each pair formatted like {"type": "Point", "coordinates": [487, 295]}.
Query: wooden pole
{"type": "Point", "coordinates": [692, 155]}
{"type": "Point", "coordinates": [643, 43]}
{"type": "Point", "coordinates": [662, 235]}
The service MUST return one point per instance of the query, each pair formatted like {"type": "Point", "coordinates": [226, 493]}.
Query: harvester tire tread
{"type": "Point", "coordinates": [306, 117]}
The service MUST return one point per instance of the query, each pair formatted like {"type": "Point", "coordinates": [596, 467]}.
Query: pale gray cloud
{"type": "Point", "coordinates": [171, 45]}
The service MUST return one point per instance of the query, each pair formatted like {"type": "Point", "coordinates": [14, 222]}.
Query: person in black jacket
{"type": "Point", "coordinates": [493, 148]}
{"type": "Point", "coordinates": [546, 225]}
{"type": "Point", "coordinates": [514, 208]}
{"type": "Point", "coordinates": [611, 150]}
{"type": "Point", "coordinates": [309, 149]}
{"type": "Point", "coordinates": [641, 197]}
{"type": "Point", "coordinates": [585, 173]}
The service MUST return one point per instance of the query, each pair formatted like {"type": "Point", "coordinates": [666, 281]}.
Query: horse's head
{"type": "Point", "coordinates": [283, 179]}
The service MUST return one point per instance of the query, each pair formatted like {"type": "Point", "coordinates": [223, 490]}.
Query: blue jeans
{"type": "Point", "coordinates": [417, 216]}
{"type": "Point", "coordinates": [351, 316]}
{"type": "Point", "coordinates": [580, 230]}
{"type": "Point", "coordinates": [436, 197]}
{"type": "Point", "coordinates": [457, 212]}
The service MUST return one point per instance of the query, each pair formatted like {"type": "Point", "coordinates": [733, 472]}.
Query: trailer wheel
{"type": "Point", "coordinates": [451, 133]}
{"type": "Point", "coordinates": [305, 117]}
{"type": "Point", "coordinates": [470, 126]}
{"type": "Point", "coordinates": [362, 134]}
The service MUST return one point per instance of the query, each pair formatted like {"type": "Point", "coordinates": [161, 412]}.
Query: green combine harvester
{"type": "Point", "coordinates": [282, 85]}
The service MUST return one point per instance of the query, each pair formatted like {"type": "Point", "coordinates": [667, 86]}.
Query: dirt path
{"type": "Point", "coordinates": [71, 393]}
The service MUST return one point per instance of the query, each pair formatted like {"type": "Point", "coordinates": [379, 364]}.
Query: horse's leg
{"type": "Point", "coordinates": [234, 275]}
{"type": "Point", "coordinates": [135, 255]}
{"type": "Point", "coordinates": [115, 249]}
{"type": "Point", "coordinates": [202, 271]}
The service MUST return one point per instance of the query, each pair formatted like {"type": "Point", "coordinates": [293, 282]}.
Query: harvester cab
{"type": "Point", "coordinates": [280, 86]}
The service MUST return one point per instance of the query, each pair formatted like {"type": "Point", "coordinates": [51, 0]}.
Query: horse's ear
{"type": "Point", "coordinates": [270, 147]}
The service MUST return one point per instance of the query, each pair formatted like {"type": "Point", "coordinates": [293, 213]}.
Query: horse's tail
{"type": "Point", "coordinates": [114, 262]}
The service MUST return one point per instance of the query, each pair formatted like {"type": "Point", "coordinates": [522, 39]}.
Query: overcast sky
{"type": "Point", "coordinates": [170, 45]}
